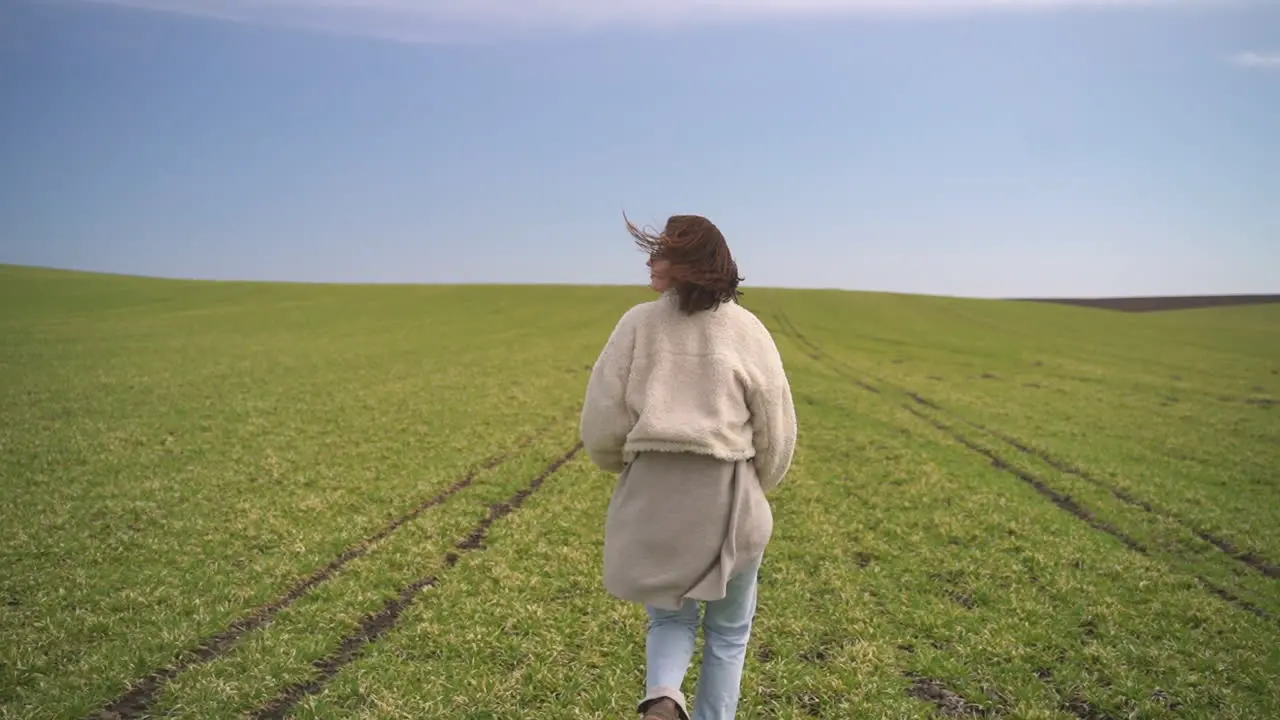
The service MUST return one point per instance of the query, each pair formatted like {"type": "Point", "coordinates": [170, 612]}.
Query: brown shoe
{"type": "Point", "coordinates": [664, 709]}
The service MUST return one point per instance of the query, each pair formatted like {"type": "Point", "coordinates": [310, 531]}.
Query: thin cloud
{"type": "Point", "coordinates": [455, 20]}
{"type": "Point", "coordinates": [1258, 60]}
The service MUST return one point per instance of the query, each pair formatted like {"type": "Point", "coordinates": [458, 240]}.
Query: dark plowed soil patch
{"type": "Point", "coordinates": [1160, 304]}
{"type": "Point", "coordinates": [137, 701]}
{"type": "Point", "coordinates": [948, 703]}
{"type": "Point", "coordinates": [374, 626]}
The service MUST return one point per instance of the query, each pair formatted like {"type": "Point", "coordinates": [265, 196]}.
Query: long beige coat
{"type": "Point", "coordinates": [680, 525]}
{"type": "Point", "coordinates": [695, 414]}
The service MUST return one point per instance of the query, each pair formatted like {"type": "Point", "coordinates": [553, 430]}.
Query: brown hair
{"type": "Point", "coordinates": [702, 268]}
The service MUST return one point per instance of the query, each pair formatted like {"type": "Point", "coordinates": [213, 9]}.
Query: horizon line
{"type": "Point", "coordinates": [1270, 296]}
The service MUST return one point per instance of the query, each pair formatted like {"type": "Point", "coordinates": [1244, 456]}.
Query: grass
{"type": "Point", "coordinates": [997, 509]}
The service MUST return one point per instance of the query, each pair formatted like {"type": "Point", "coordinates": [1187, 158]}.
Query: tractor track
{"type": "Point", "coordinates": [136, 702]}
{"type": "Point", "coordinates": [1249, 558]}
{"type": "Point", "coordinates": [1073, 506]}
{"type": "Point", "coordinates": [816, 353]}
{"type": "Point", "coordinates": [377, 624]}
{"type": "Point", "coordinates": [1062, 500]}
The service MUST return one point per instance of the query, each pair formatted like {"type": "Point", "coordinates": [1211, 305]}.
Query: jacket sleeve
{"type": "Point", "coordinates": [606, 421]}
{"type": "Point", "coordinates": [773, 417]}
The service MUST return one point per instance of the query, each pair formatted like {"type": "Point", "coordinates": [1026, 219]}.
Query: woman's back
{"type": "Point", "coordinates": [693, 379]}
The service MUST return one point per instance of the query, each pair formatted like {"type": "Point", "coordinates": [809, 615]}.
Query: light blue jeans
{"type": "Point", "coordinates": [726, 627]}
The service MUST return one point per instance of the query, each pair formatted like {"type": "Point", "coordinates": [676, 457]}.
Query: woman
{"type": "Point", "coordinates": [689, 403]}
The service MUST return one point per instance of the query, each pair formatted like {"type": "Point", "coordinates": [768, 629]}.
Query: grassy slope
{"type": "Point", "coordinates": [176, 454]}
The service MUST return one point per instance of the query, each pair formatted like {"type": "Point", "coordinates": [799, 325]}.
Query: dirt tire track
{"type": "Point", "coordinates": [1249, 558]}
{"type": "Point", "coordinates": [1062, 500]}
{"type": "Point", "coordinates": [1233, 598]}
{"type": "Point", "coordinates": [788, 330]}
{"type": "Point", "coordinates": [949, 703]}
{"type": "Point", "coordinates": [1071, 505]}
{"type": "Point", "coordinates": [813, 351]}
{"type": "Point", "coordinates": [375, 625]}
{"type": "Point", "coordinates": [138, 699]}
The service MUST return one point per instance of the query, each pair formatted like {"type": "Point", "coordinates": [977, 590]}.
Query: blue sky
{"type": "Point", "coordinates": [962, 147]}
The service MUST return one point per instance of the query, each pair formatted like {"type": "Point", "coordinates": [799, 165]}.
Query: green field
{"type": "Point", "coordinates": [269, 500]}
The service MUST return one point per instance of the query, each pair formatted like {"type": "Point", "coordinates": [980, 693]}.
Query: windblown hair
{"type": "Point", "coordinates": [703, 271]}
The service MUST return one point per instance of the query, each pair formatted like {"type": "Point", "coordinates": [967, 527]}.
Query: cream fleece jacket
{"type": "Point", "coordinates": [710, 383]}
